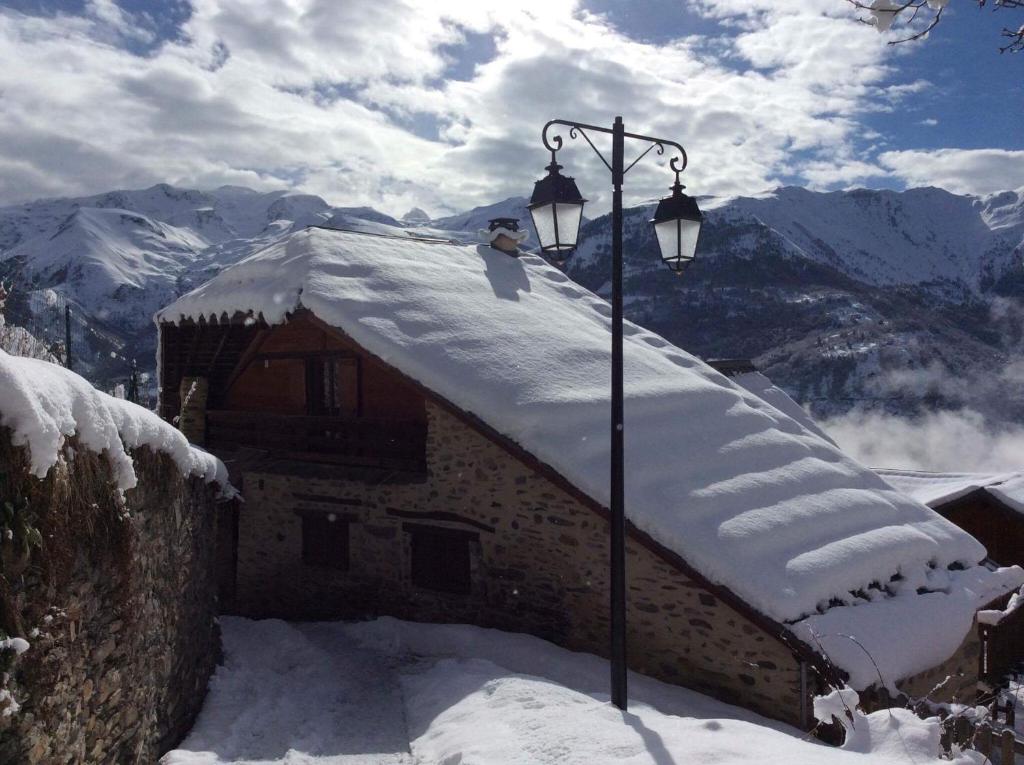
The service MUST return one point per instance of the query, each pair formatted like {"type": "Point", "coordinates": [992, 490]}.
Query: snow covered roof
{"type": "Point", "coordinates": [43, 404]}
{"type": "Point", "coordinates": [935, 489]}
{"type": "Point", "coordinates": [743, 492]}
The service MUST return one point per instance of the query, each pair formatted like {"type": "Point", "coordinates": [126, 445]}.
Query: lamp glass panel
{"type": "Point", "coordinates": [677, 238]}
{"type": "Point", "coordinates": [569, 214]}
{"type": "Point", "coordinates": [544, 223]}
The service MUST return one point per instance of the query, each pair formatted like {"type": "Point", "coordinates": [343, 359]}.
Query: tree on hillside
{"type": "Point", "coordinates": [919, 17]}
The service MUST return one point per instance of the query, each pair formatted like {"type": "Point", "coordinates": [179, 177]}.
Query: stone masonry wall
{"type": "Point", "coordinates": [953, 681]}
{"type": "Point", "coordinates": [119, 607]}
{"type": "Point", "coordinates": [539, 565]}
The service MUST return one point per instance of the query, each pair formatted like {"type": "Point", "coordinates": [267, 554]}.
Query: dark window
{"type": "Point", "coordinates": [333, 386]}
{"type": "Point", "coordinates": [325, 541]}
{"type": "Point", "coordinates": [440, 558]}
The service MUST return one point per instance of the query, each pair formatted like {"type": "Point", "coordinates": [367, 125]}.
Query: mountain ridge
{"type": "Point", "coordinates": [841, 297]}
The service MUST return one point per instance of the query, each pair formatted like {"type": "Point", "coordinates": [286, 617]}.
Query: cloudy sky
{"type": "Point", "coordinates": [439, 104]}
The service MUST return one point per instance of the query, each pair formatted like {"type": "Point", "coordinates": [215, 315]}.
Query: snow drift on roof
{"type": "Point", "coordinates": [744, 493]}
{"type": "Point", "coordinates": [765, 389]}
{"type": "Point", "coordinates": [43, 404]}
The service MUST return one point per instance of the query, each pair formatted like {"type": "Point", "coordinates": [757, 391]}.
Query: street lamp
{"type": "Point", "coordinates": [677, 226]}
{"type": "Point", "coordinates": [557, 208]}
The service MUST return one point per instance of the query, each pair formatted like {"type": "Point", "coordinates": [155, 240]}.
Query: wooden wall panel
{"type": "Point", "coordinates": [270, 385]}
{"type": "Point", "coordinates": [999, 528]}
{"type": "Point", "coordinates": [279, 386]}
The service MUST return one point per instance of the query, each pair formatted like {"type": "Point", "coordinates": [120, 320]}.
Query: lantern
{"type": "Point", "coordinates": [677, 226]}
{"type": "Point", "coordinates": [557, 210]}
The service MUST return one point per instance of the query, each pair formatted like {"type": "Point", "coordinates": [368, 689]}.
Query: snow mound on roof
{"type": "Point", "coordinates": [743, 492]}
{"type": "Point", "coordinates": [766, 390]}
{"type": "Point", "coordinates": [43, 404]}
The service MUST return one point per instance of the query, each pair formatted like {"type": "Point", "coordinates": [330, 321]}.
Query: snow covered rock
{"type": "Point", "coordinates": [416, 216]}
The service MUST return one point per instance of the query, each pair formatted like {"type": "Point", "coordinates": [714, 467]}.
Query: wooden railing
{"type": "Point", "coordinates": [373, 443]}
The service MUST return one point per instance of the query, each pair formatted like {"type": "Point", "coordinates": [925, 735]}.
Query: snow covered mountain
{"type": "Point", "coordinates": [898, 300]}
{"type": "Point", "coordinates": [118, 257]}
{"type": "Point", "coordinates": [904, 301]}
{"type": "Point", "coordinates": [919, 236]}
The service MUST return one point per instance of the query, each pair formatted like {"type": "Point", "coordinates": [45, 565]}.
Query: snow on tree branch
{"type": "Point", "coordinates": [919, 17]}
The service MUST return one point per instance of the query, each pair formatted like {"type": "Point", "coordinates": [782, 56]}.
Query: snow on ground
{"type": "Point", "coordinates": [746, 494]}
{"type": "Point", "coordinates": [296, 694]}
{"type": "Point", "coordinates": [388, 691]}
{"type": "Point", "coordinates": [43, 404]}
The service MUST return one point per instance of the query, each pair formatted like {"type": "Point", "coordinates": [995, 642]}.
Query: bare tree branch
{"type": "Point", "coordinates": [885, 14]}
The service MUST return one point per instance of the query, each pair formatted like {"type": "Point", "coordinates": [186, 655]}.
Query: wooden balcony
{"type": "Point", "coordinates": [388, 444]}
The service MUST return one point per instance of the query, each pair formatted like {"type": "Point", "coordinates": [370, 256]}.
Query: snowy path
{"type": "Point", "coordinates": [389, 692]}
{"type": "Point", "coordinates": [297, 694]}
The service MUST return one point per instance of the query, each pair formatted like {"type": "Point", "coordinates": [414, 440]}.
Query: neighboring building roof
{"type": "Point", "coordinates": [744, 493]}
{"type": "Point", "coordinates": [937, 489]}
{"type": "Point", "coordinates": [745, 374]}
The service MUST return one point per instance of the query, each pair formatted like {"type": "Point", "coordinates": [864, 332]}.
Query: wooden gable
{"type": "Point", "coordinates": [299, 390]}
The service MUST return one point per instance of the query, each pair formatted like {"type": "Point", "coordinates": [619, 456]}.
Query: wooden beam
{"type": "Point", "coordinates": [216, 353]}
{"type": "Point", "coordinates": [247, 356]}
{"type": "Point", "coordinates": [438, 515]}
{"type": "Point", "coordinates": [192, 348]}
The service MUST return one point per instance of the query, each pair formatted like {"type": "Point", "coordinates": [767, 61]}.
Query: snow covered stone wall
{"type": "Point", "coordinates": [118, 610]}
{"type": "Point", "coordinates": [107, 573]}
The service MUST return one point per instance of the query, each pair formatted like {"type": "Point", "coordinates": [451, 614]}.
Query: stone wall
{"type": "Point", "coordinates": [539, 564]}
{"type": "Point", "coordinates": [119, 607]}
{"type": "Point", "coordinates": [954, 681]}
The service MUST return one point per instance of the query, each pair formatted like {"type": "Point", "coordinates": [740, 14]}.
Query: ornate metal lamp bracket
{"type": "Point", "coordinates": [554, 145]}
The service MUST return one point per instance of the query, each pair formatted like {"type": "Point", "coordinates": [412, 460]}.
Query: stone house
{"type": "Point", "coordinates": [419, 428]}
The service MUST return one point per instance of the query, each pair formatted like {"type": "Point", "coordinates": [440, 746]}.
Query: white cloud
{"type": "Point", "coordinates": [843, 171]}
{"type": "Point", "coordinates": [320, 95]}
{"type": "Point", "coordinates": [965, 171]}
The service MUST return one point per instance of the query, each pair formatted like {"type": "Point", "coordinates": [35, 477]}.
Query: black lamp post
{"type": "Point", "coordinates": [557, 209]}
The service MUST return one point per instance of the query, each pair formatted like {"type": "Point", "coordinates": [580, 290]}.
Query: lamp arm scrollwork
{"type": "Point", "coordinates": [555, 143]}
